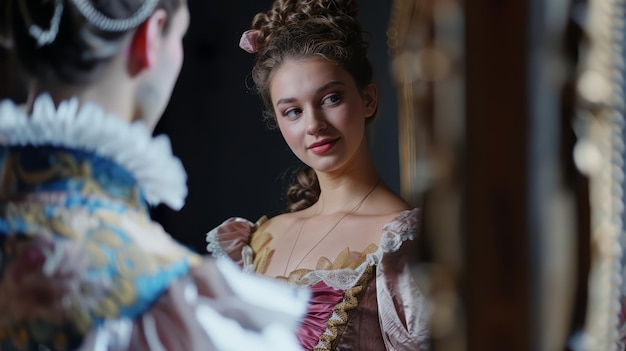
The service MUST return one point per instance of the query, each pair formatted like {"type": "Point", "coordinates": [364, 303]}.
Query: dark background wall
{"type": "Point", "coordinates": [235, 164]}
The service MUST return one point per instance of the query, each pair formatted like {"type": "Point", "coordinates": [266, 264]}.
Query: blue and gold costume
{"type": "Point", "coordinates": [80, 258]}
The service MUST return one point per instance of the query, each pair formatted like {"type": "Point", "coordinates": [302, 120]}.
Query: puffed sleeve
{"type": "Point", "coordinates": [216, 307]}
{"type": "Point", "coordinates": [402, 307]}
{"type": "Point", "coordinates": [230, 239]}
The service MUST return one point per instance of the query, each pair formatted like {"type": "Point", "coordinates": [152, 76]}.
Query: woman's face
{"type": "Point", "coordinates": [321, 112]}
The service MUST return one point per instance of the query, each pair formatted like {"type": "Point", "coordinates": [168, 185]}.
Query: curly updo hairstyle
{"type": "Point", "coordinates": [300, 29]}
{"type": "Point", "coordinates": [79, 49]}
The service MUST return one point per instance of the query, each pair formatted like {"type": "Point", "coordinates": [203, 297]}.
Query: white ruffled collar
{"type": "Point", "coordinates": [160, 174]}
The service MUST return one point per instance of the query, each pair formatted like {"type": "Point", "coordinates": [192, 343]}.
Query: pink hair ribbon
{"type": "Point", "coordinates": [249, 42]}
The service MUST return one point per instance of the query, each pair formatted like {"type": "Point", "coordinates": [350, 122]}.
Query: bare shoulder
{"type": "Point", "coordinates": [383, 210]}
{"type": "Point", "coordinates": [386, 205]}
{"type": "Point", "coordinates": [279, 224]}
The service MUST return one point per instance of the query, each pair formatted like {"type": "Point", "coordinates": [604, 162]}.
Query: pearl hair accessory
{"type": "Point", "coordinates": [90, 13]}
{"type": "Point", "coordinates": [43, 37]}
{"type": "Point", "coordinates": [107, 24]}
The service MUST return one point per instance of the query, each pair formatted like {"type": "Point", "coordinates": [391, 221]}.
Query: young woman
{"type": "Point", "coordinates": [82, 266]}
{"type": "Point", "coordinates": [346, 235]}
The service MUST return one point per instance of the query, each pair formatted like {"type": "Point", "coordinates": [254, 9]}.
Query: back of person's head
{"type": "Point", "coordinates": [68, 41]}
{"type": "Point", "coordinates": [300, 29]}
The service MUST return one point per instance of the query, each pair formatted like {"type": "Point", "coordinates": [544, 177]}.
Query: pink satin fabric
{"type": "Point", "coordinates": [392, 312]}
{"type": "Point", "coordinates": [363, 331]}
{"type": "Point", "coordinates": [401, 305]}
{"type": "Point", "coordinates": [249, 41]}
{"type": "Point", "coordinates": [323, 300]}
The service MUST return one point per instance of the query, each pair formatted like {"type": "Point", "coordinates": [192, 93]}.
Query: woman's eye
{"type": "Point", "coordinates": [331, 99]}
{"type": "Point", "coordinates": [292, 113]}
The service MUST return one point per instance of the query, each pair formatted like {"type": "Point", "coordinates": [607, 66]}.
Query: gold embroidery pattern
{"type": "Point", "coordinates": [260, 247]}
{"type": "Point", "coordinates": [351, 299]}
{"type": "Point", "coordinates": [67, 167]}
{"type": "Point", "coordinates": [98, 247]}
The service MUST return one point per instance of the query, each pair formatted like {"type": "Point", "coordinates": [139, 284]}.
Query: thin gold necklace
{"type": "Point", "coordinates": [354, 209]}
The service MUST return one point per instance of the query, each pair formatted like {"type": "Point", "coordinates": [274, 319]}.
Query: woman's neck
{"type": "Point", "coordinates": [341, 191]}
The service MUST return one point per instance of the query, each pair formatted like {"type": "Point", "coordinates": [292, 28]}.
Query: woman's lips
{"type": "Point", "coordinates": [322, 146]}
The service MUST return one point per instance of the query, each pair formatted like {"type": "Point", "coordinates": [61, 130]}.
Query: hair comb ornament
{"type": "Point", "coordinates": [107, 24]}
{"type": "Point", "coordinates": [249, 41]}
{"type": "Point", "coordinates": [43, 37]}
{"type": "Point", "coordinates": [90, 13]}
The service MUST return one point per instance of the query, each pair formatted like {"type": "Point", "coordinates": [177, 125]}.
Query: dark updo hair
{"type": "Point", "coordinates": [79, 49]}
{"type": "Point", "coordinates": [299, 29]}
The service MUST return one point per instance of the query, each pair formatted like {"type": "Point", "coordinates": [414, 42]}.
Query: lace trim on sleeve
{"type": "Point", "coordinates": [396, 232]}
{"type": "Point", "coordinates": [401, 229]}
{"type": "Point", "coordinates": [213, 245]}
{"type": "Point", "coordinates": [229, 237]}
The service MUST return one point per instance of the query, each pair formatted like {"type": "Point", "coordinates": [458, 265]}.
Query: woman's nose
{"type": "Point", "coordinates": [316, 123]}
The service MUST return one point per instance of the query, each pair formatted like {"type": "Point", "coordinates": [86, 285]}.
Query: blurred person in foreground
{"type": "Point", "coordinates": [82, 266]}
